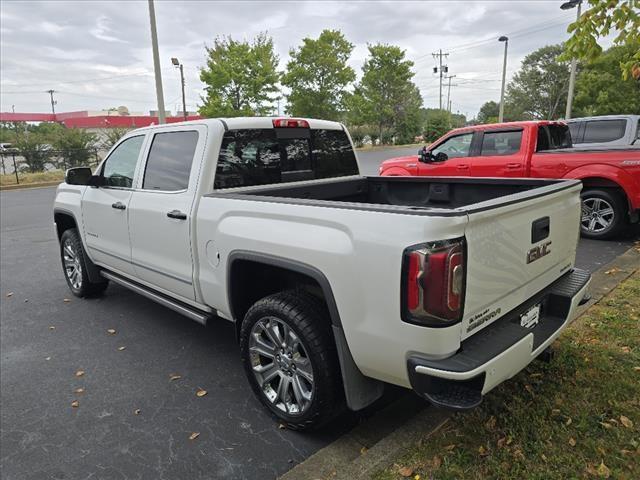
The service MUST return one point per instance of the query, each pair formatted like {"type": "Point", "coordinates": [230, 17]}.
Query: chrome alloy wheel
{"type": "Point", "coordinates": [72, 266]}
{"type": "Point", "coordinates": [281, 365]}
{"type": "Point", "coordinates": [597, 214]}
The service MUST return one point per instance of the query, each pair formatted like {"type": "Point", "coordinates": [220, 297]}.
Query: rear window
{"type": "Point", "coordinates": [266, 156]}
{"type": "Point", "coordinates": [553, 137]}
{"type": "Point", "coordinates": [170, 159]}
{"type": "Point", "coordinates": [597, 131]}
{"type": "Point", "coordinates": [500, 143]}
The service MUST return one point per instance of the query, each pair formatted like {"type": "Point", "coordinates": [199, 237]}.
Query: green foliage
{"type": "Point", "coordinates": [358, 134]}
{"type": "Point", "coordinates": [601, 89]}
{"type": "Point", "coordinates": [438, 122]}
{"type": "Point", "coordinates": [386, 97]}
{"type": "Point", "coordinates": [318, 75]}
{"type": "Point", "coordinates": [605, 17]}
{"type": "Point", "coordinates": [111, 136]}
{"type": "Point", "coordinates": [34, 150]}
{"type": "Point", "coordinates": [241, 77]}
{"type": "Point", "coordinates": [489, 112]}
{"type": "Point", "coordinates": [539, 89]}
{"type": "Point", "coordinates": [75, 147]}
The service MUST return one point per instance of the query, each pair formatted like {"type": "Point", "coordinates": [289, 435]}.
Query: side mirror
{"type": "Point", "coordinates": [441, 157]}
{"type": "Point", "coordinates": [78, 176]}
{"type": "Point", "coordinates": [424, 155]}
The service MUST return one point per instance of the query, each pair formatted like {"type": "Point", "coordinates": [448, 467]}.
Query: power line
{"type": "Point", "coordinates": [439, 56]}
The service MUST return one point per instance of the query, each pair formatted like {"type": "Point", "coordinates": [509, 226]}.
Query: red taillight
{"type": "Point", "coordinates": [290, 123]}
{"type": "Point", "coordinates": [434, 283]}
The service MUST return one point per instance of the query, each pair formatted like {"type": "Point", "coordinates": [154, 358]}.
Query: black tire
{"type": "Point", "coordinates": [79, 283]}
{"type": "Point", "coordinates": [591, 227]}
{"type": "Point", "coordinates": [308, 318]}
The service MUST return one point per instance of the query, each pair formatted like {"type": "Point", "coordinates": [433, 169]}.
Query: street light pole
{"type": "Point", "coordinates": [572, 77]}
{"type": "Point", "coordinates": [156, 62]}
{"type": "Point", "coordinates": [177, 63]}
{"type": "Point", "coordinates": [504, 76]}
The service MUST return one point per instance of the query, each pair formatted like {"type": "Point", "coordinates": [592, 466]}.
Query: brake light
{"type": "Point", "coordinates": [290, 123]}
{"type": "Point", "coordinates": [433, 283]}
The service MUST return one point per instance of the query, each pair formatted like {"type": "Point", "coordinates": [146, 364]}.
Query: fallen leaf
{"type": "Point", "coordinates": [436, 462]}
{"type": "Point", "coordinates": [603, 470]}
{"type": "Point", "coordinates": [501, 442]}
{"type": "Point", "coordinates": [612, 271]}
{"type": "Point", "coordinates": [121, 348]}
{"type": "Point", "coordinates": [417, 477]}
{"type": "Point", "coordinates": [606, 425]}
{"type": "Point", "coordinates": [626, 421]}
{"type": "Point", "coordinates": [79, 390]}
{"type": "Point", "coordinates": [174, 376]}
{"type": "Point", "coordinates": [79, 373]}
{"type": "Point", "coordinates": [625, 349]}
{"type": "Point", "coordinates": [491, 423]}
{"type": "Point", "coordinates": [194, 435]}
{"type": "Point", "coordinates": [568, 421]}
{"type": "Point", "coordinates": [637, 369]}
{"type": "Point", "coordinates": [405, 471]}
{"type": "Point", "coordinates": [52, 327]}
{"type": "Point", "coordinates": [363, 450]}
{"type": "Point", "coordinates": [10, 294]}
{"type": "Point", "coordinates": [48, 358]}
{"type": "Point", "coordinates": [136, 411]}
{"type": "Point", "coordinates": [449, 448]}
{"type": "Point", "coordinates": [529, 388]}
{"type": "Point", "coordinates": [282, 426]}
{"type": "Point", "coordinates": [66, 300]}
{"type": "Point", "coordinates": [509, 440]}
{"type": "Point", "coordinates": [75, 404]}
{"type": "Point", "coordinates": [482, 451]}
{"type": "Point", "coordinates": [111, 331]}
{"type": "Point", "coordinates": [544, 457]}
{"type": "Point", "coordinates": [572, 442]}
{"type": "Point", "coordinates": [518, 454]}
{"type": "Point", "coordinates": [201, 393]}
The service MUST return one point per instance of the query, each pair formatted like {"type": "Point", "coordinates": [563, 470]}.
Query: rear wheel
{"type": "Point", "coordinates": [74, 264]}
{"type": "Point", "coordinates": [603, 215]}
{"type": "Point", "coordinates": [290, 359]}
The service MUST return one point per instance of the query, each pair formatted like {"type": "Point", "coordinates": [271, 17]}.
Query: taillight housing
{"type": "Point", "coordinates": [433, 283]}
{"type": "Point", "coordinates": [290, 123]}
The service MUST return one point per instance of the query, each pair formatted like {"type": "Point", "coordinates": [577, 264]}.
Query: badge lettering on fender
{"type": "Point", "coordinates": [538, 252]}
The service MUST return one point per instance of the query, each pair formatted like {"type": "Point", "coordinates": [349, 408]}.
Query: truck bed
{"type": "Point", "coordinates": [408, 195]}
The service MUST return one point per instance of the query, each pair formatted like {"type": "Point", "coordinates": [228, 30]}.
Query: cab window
{"type": "Point", "coordinates": [170, 160]}
{"type": "Point", "coordinates": [500, 143]}
{"type": "Point", "coordinates": [120, 166]}
{"type": "Point", "coordinates": [455, 147]}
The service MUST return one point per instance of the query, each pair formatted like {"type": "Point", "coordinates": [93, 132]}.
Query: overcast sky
{"type": "Point", "coordinates": [97, 55]}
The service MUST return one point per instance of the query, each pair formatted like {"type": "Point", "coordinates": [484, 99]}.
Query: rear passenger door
{"type": "Point", "coordinates": [502, 154]}
{"type": "Point", "coordinates": [160, 212]}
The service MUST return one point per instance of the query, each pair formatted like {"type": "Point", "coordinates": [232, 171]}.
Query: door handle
{"type": "Point", "coordinates": [514, 165]}
{"type": "Point", "coordinates": [177, 214]}
{"type": "Point", "coordinates": [118, 206]}
{"type": "Point", "coordinates": [464, 166]}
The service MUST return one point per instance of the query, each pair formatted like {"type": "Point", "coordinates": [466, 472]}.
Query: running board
{"type": "Point", "coordinates": [175, 305]}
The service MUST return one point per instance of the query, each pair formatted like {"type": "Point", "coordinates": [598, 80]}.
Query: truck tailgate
{"type": "Point", "coordinates": [515, 248]}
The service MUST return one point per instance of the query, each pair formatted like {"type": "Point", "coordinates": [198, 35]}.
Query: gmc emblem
{"type": "Point", "coordinates": [538, 252]}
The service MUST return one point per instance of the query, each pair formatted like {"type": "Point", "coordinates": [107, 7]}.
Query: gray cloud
{"type": "Point", "coordinates": [97, 54]}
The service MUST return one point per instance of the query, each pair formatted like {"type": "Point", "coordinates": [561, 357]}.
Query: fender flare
{"type": "Point", "coordinates": [360, 391]}
{"type": "Point", "coordinates": [608, 172]}
{"type": "Point", "coordinates": [396, 172]}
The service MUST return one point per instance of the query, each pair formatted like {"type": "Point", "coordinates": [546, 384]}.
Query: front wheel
{"type": "Point", "coordinates": [74, 264]}
{"type": "Point", "coordinates": [290, 359]}
{"type": "Point", "coordinates": [603, 215]}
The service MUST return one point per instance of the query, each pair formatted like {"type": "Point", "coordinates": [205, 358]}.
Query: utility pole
{"type": "Point", "coordinates": [449, 92]}
{"type": "Point", "coordinates": [572, 78]}
{"type": "Point", "coordinates": [53, 102]}
{"type": "Point", "coordinates": [156, 62]}
{"type": "Point", "coordinates": [442, 69]}
{"type": "Point", "coordinates": [504, 76]}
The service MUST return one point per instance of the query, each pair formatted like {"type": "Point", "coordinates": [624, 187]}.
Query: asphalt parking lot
{"type": "Point", "coordinates": [132, 420]}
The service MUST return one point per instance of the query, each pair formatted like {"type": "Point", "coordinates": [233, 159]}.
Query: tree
{"type": "Point", "coordinates": [489, 112]}
{"type": "Point", "coordinates": [111, 136]}
{"type": "Point", "coordinates": [240, 77]}
{"type": "Point", "coordinates": [35, 152]}
{"type": "Point", "coordinates": [386, 97]}
{"type": "Point", "coordinates": [75, 146]}
{"type": "Point", "coordinates": [539, 89]}
{"type": "Point", "coordinates": [318, 75]}
{"type": "Point", "coordinates": [602, 18]}
{"type": "Point", "coordinates": [438, 122]}
{"type": "Point", "coordinates": [601, 89]}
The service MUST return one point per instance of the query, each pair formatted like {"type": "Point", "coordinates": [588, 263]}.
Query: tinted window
{"type": "Point", "coordinates": [553, 137]}
{"type": "Point", "coordinates": [455, 147]}
{"type": "Point", "coordinates": [259, 157]}
{"type": "Point", "coordinates": [500, 143]}
{"type": "Point", "coordinates": [604, 130]}
{"type": "Point", "coordinates": [170, 159]}
{"type": "Point", "coordinates": [119, 168]}
{"type": "Point", "coordinates": [574, 127]}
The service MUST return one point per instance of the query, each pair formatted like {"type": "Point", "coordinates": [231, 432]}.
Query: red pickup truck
{"type": "Point", "coordinates": [540, 149]}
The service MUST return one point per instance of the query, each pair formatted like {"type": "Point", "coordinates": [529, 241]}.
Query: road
{"type": "Point", "coordinates": [132, 420]}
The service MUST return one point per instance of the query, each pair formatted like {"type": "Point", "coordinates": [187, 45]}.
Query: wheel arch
{"type": "Point", "coordinates": [64, 220]}
{"type": "Point", "coordinates": [606, 176]}
{"type": "Point", "coordinates": [252, 275]}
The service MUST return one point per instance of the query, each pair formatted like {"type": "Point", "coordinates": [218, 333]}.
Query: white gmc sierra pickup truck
{"type": "Point", "coordinates": [336, 283]}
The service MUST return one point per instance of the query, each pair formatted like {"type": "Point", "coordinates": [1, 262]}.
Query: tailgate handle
{"type": "Point", "coordinates": [540, 229]}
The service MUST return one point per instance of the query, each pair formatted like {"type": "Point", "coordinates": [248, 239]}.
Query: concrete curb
{"type": "Point", "coordinates": [367, 449]}
{"type": "Point", "coordinates": [24, 186]}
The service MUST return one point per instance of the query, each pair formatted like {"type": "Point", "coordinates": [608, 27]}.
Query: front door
{"type": "Point", "coordinates": [105, 208]}
{"type": "Point", "coordinates": [454, 152]}
{"type": "Point", "coordinates": [160, 214]}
